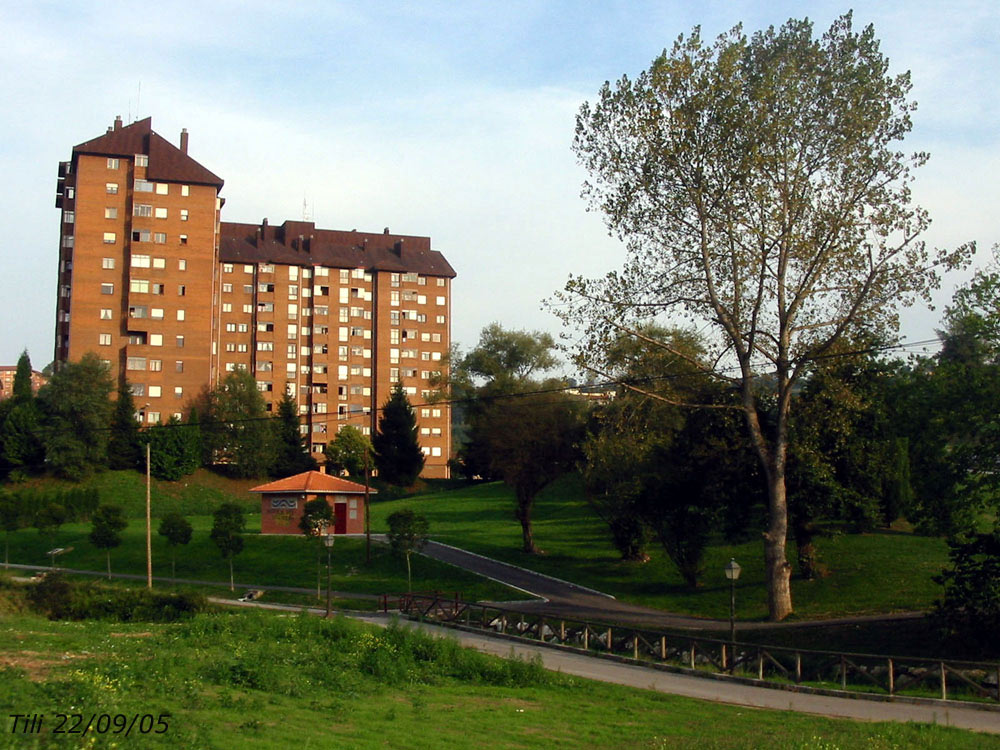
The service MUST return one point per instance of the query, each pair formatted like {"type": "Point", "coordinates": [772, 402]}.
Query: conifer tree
{"type": "Point", "coordinates": [124, 446]}
{"type": "Point", "coordinates": [397, 452]}
{"type": "Point", "coordinates": [292, 455]}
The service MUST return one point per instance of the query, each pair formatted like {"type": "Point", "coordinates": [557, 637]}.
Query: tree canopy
{"type": "Point", "coordinates": [348, 451]}
{"type": "Point", "coordinates": [759, 187]}
{"type": "Point", "coordinates": [237, 431]}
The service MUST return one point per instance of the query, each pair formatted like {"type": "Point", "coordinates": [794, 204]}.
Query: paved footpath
{"type": "Point", "coordinates": [719, 691]}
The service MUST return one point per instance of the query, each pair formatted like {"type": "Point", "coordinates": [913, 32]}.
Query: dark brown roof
{"type": "Point", "coordinates": [300, 243]}
{"type": "Point", "coordinates": [314, 482]}
{"type": "Point", "coordinates": [167, 163]}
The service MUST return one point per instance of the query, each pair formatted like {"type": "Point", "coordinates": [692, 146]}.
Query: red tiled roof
{"type": "Point", "coordinates": [314, 482]}
{"type": "Point", "coordinates": [252, 243]}
{"type": "Point", "coordinates": [166, 162]}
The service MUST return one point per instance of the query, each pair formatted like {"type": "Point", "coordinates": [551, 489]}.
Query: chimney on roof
{"type": "Point", "coordinates": [385, 231]}
{"type": "Point", "coordinates": [184, 140]}
{"type": "Point", "coordinates": [118, 122]}
{"type": "Point", "coordinates": [322, 468]}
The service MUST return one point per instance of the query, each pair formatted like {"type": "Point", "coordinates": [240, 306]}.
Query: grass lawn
{"type": "Point", "coordinates": [255, 680]}
{"type": "Point", "coordinates": [868, 573]}
{"type": "Point", "coordinates": [265, 560]}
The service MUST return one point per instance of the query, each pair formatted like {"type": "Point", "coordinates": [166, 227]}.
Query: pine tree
{"type": "Point", "coordinates": [21, 449]}
{"type": "Point", "coordinates": [397, 453]}
{"type": "Point", "coordinates": [124, 447]}
{"type": "Point", "coordinates": [292, 455]}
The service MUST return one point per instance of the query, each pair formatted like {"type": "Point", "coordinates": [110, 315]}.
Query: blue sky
{"type": "Point", "coordinates": [452, 120]}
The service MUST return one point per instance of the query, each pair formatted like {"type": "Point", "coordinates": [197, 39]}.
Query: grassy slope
{"type": "Point", "coordinates": [868, 573]}
{"type": "Point", "coordinates": [271, 560]}
{"type": "Point", "coordinates": [259, 681]}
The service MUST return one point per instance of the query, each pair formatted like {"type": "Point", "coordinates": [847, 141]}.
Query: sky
{"type": "Point", "coordinates": [441, 119]}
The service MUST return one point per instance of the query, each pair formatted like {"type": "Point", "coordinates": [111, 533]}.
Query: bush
{"type": "Point", "coordinates": [970, 610]}
{"type": "Point", "coordinates": [60, 599]}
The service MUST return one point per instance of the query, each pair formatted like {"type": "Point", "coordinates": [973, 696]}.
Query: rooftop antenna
{"type": "Point", "coordinates": [138, 99]}
{"type": "Point", "coordinates": [305, 210]}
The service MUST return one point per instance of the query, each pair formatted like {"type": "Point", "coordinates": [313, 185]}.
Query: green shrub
{"type": "Point", "coordinates": [60, 599]}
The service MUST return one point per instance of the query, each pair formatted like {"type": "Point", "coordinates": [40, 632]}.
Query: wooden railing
{"type": "Point", "coordinates": [947, 679]}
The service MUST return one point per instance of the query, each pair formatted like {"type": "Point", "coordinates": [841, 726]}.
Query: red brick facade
{"type": "Point", "coordinates": [282, 502]}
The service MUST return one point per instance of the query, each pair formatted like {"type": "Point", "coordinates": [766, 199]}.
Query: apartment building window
{"type": "Point", "coordinates": [162, 188]}
{"type": "Point", "coordinates": [230, 328]}
{"type": "Point", "coordinates": [265, 288]}
{"type": "Point", "coordinates": [227, 288]}
{"type": "Point", "coordinates": [180, 342]}
{"type": "Point", "coordinates": [141, 160]}
{"type": "Point", "coordinates": [181, 290]}
{"type": "Point", "coordinates": [107, 288]}
{"type": "Point", "coordinates": [106, 313]}
{"type": "Point", "coordinates": [135, 363]}
{"type": "Point", "coordinates": [267, 268]}
{"type": "Point", "coordinates": [394, 336]}
{"type": "Point", "coordinates": [230, 347]}
{"type": "Point", "coordinates": [184, 214]}
{"type": "Point", "coordinates": [265, 327]}
{"type": "Point", "coordinates": [292, 351]}
{"type": "Point", "coordinates": [157, 288]}
{"type": "Point", "coordinates": [67, 241]}
{"type": "Point", "coordinates": [180, 315]}
{"type": "Point", "coordinates": [138, 389]}
{"type": "Point", "coordinates": [142, 210]}
{"type": "Point", "coordinates": [156, 339]}
{"type": "Point", "coordinates": [227, 267]}
{"type": "Point", "coordinates": [394, 317]}
{"type": "Point", "coordinates": [140, 261]}
{"type": "Point", "coordinates": [141, 186]}
{"type": "Point", "coordinates": [160, 212]}
{"type": "Point", "coordinates": [141, 235]}
{"type": "Point", "coordinates": [110, 238]}
{"type": "Point", "coordinates": [439, 319]}
{"type": "Point", "coordinates": [69, 217]}
{"type": "Point", "coordinates": [293, 273]}
{"type": "Point", "coordinates": [111, 188]}
{"type": "Point", "coordinates": [394, 298]}
{"type": "Point", "coordinates": [248, 288]}
{"type": "Point", "coordinates": [108, 263]}
{"type": "Point", "coordinates": [183, 239]}
{"type": "Point", "coordinates": [155, 365]}
{"type": "Point", "coordinates": [247, 268]}
{"type": "Point", "coordinates": [227, 307]}
{"type": "Point", "coordinates": [293, 292]}
{"type": "Point", "coordinates": [159, 262]}
{"type": "Point", "coordinates": [113, 164]}
{"type": "Point", "coordinates": [139, 286]}
{"type": "Point", "coordinates": [182, 264]}
{"type": "Point", "coordinates": [248, 308]}
{"type": "Point", "coordinates": [293, 311]}
{"type": "Point", "coordinates": [153, 417]}
{"type": "Point", "coordinates": [137, 311]}
{"type": "Point", "coordinates": [241, 327]}
{"type": "Point", "coordinates": [441, 300]}
{"type": "Point", "coordinates": [178, 391]}
{"type": "Point", "coordinates": [179, 365]}
{"type": "Point", "coordinates": [104, 339]}
{"type": "Point", "coordinates": [421, 299]}
{"type": "Point", "coordinates": [137, 338]}
{"type": "Point", "coordinates": [159, 238]}
{"type": "Point", "coordinates": [265, 346]}
{"type": "Point", "coordinates": [293, 330]}
{"type": "Point", "coordinates": [155, 391]}
{"type": "Point", "coordinates": [185, 191]}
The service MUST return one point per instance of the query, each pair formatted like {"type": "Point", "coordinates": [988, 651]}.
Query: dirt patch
{"type": "Point", "coordinates": [131, 635]}
{"type": "Point", "coordinates": [35, 665]}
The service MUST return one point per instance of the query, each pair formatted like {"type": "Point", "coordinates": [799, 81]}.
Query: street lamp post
{"type": "Point", "coordinates": [328, 542]}
{"type": "Point", "coordinates": [732, 573]}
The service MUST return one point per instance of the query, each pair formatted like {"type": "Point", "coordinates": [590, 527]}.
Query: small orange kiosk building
{"type": "Point", "coordinates": [282, 501]}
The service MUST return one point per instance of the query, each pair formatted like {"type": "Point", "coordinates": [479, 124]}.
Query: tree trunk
{"type": "Point", "coordinates": [523, 513]}
{"type": "Point", "coordinates": [776, 568]}
{"type": "Point", "coordinates": [409, 576]}
{"type": "Point", "coordinates": [108, 553]}
{"type": "Point", "coordinates": [232, 586]}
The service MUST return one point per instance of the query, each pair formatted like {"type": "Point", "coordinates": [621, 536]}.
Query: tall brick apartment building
{"type": "Point", "coordinates": [173, 298]}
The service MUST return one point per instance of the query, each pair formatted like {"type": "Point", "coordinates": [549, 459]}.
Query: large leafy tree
{"type": "Point", "coordinates": [291, 451]}
{"type": "Point", "coordinates": [503, 363]}
{"type": "Point", "coordinates": [349, 452]}
{"type": "Point", "coordinates": [533, 439]}
{"type": "Point", "coordinates": [760, 189]}
{"type": "Point", "coordinates": [173, 452]}
{"type": "Point", "coordinates": [397, 450]}
{"type": "Point", "coordinates": [76, 411]}
{"type": "Point", "coordinates": [237, 430]}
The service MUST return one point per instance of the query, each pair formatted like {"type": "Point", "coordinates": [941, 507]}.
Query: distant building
{"type": "Point", "coordinates": [172, 298]}
{"type": "Point", "coordinates": [7, 373]}
{"type": "Point", "coordinates": [282, 502]}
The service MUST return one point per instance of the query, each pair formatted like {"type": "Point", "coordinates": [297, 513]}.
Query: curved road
{"type": "Point", "coordinates": [558, 598]}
